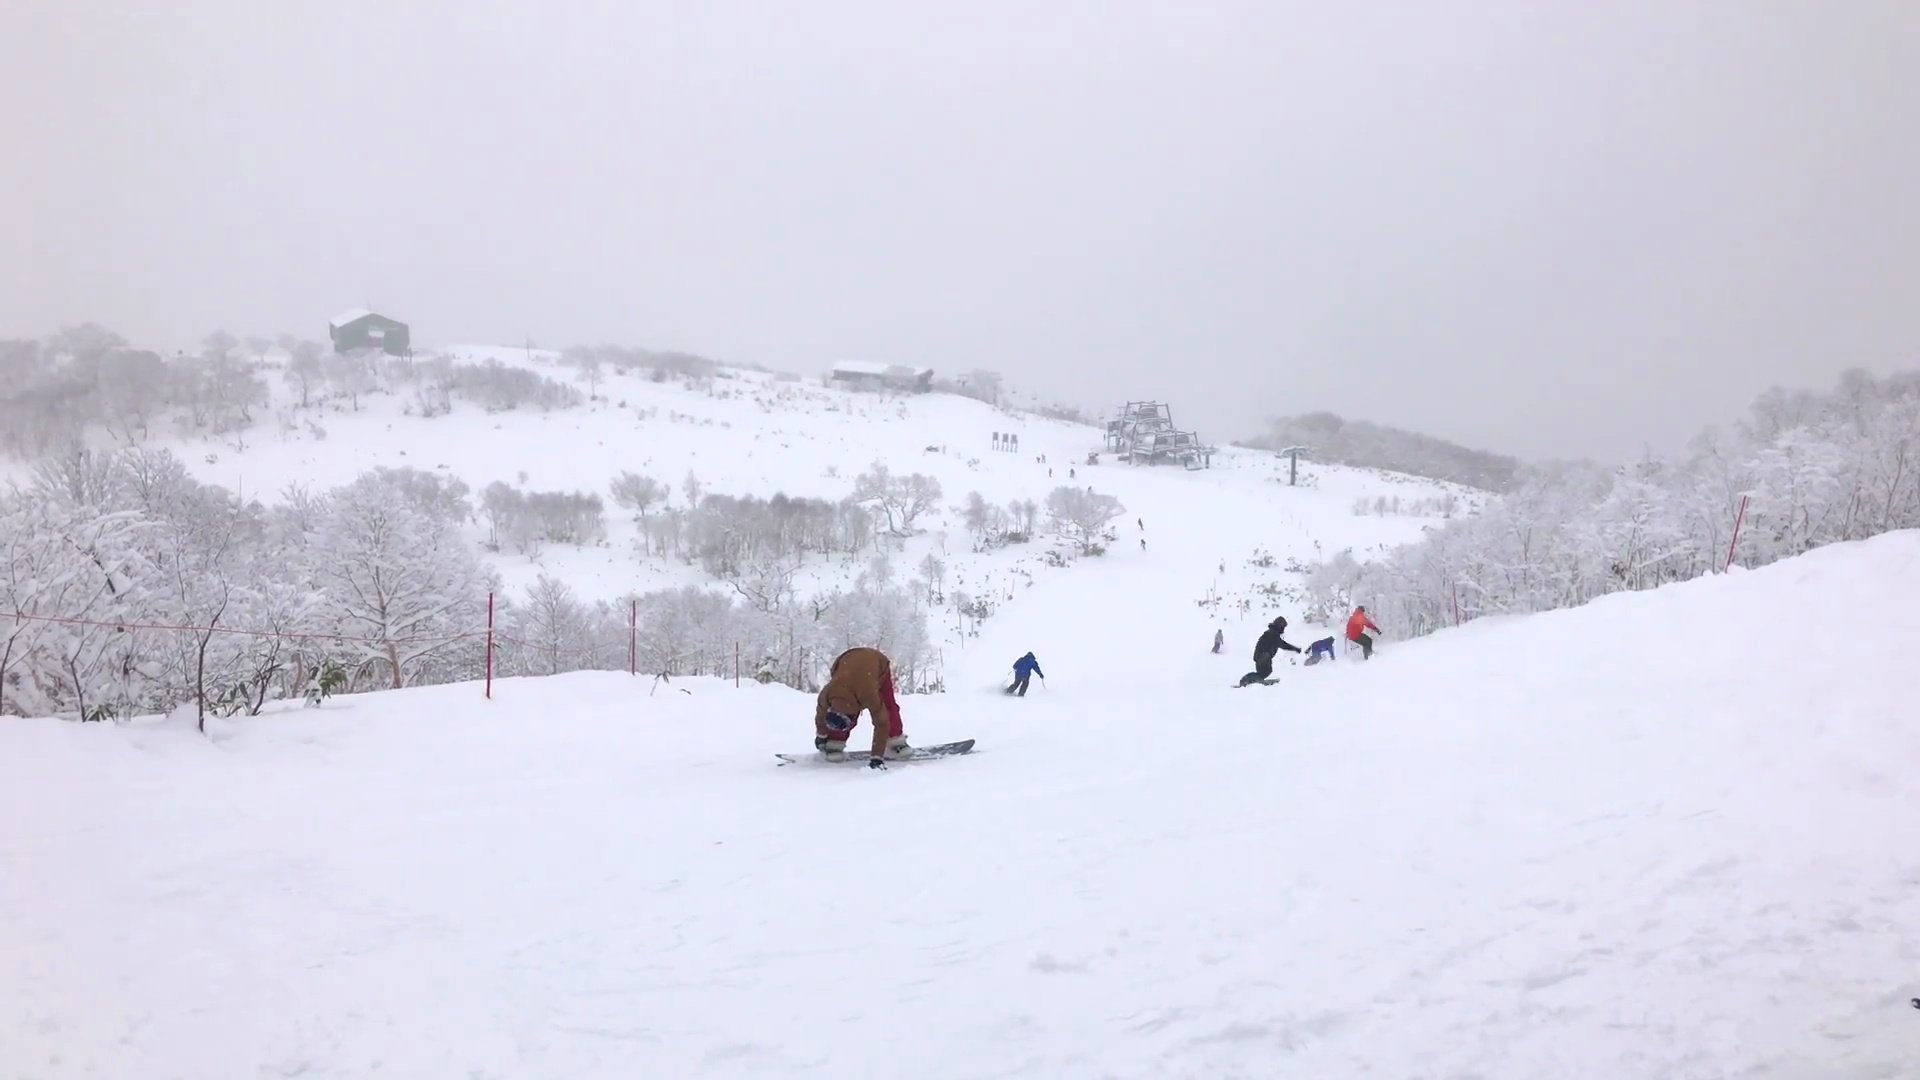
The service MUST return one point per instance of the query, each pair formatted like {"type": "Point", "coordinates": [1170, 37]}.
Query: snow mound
{"type": "Point", "coordinates": [1669, 834]}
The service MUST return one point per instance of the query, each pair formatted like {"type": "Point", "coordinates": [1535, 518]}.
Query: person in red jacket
{"type": "Point", "coordinates": [1357, 626]}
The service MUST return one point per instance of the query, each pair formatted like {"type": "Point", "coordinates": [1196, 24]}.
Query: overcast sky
{"type": "Point", "coordinates": [1544, 228]}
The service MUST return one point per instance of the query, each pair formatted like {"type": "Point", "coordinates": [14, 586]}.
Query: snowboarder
{"type": "Point", "coordinates": [1024, 669]}
{"type": "Point", "coordinates": [1219, 642]}
{"type": "Point", "coordinates": [1265, 649]}
{"type": "Point", "coordinates": [859, 679]}
{"type": "Point", "coordinates": [1357, 626]}
{"type": "Point", "coordinates": [1143, 543]}
{"type": "Point", "coordinates": [1318, 650]}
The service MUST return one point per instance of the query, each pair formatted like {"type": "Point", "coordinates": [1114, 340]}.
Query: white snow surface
{"type": "Point", "coordinates": [1672, 834]}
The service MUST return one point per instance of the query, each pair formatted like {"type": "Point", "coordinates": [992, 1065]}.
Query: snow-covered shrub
{"type": "Point", "coordinates": [526, 520]}
{"type": "Point", "coordinates": [734, 535]}
{"type": "Point", "coordinates": [496, 387]}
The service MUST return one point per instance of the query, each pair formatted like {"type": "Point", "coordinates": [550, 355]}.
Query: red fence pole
{"type": "Point", "coordinates": [489, 646]}
{"type": "Point", "coordinates": [633, 638]}
{"type": "Point", "coordinates": [1738, 518]}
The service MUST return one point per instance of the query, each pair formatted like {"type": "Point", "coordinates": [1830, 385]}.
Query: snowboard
{"type": "Point", "coordinates": [920, 753]}
{"type": "Point", "coordinates": [1257, 682]}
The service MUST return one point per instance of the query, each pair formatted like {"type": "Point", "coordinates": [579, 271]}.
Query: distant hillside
{"type": "Point", "coordinates": [605, 507]}
{"type": "Point", "coordinates": [1339, 441]}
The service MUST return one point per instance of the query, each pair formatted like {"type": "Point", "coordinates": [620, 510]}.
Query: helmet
{"type": "Point", "coordinates": [838, 722]}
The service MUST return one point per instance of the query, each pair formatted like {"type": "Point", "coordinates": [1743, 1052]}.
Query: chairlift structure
{"type": "Point", "coordinates": [1142, 433]}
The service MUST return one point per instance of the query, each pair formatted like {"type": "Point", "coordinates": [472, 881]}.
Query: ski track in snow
{"type": "Point", "coordinates": [1645, 838]}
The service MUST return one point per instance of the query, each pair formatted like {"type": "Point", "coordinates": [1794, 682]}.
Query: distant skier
{"type": "Point", "coordinates": [1357, 626]}
{"type": "Point", "coordinates": [1024, 669]}
{"type": "Point", "coordinates": [1219, 642]}
{"type": "Point", "coordinates": [859, 679]}
{"type": "Point", "coordinates": [1318, 650]}
{"type": "Point", "coordinates": [1265, 649]}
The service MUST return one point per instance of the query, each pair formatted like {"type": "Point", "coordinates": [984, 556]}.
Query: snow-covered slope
{"type": "Point", "coordinates": [753, 433]}
{"type": "Point", "coordinates": [1670, 834]}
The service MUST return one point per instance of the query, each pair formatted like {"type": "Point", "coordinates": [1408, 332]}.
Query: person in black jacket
{"type": "Point", "coordinates": [1264, 650]}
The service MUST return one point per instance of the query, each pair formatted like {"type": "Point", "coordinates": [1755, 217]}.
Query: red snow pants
{"type": "Point", "coordinates": [895, 728]}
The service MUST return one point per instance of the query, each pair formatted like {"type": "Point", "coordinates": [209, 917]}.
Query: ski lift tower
{"type": "Point", "coordinates": [1293, 454]}
{"type": "Point", "coordinates": [1143, 434]}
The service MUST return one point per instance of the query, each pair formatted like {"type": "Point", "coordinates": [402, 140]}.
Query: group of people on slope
{"type": "Point", "coordinates": [1271, 644]}
{"type": "Point", "coordinates": [862, 680]}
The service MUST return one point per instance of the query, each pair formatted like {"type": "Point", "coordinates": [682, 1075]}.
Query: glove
{"type": "Point", "coordinates": [876, 763]}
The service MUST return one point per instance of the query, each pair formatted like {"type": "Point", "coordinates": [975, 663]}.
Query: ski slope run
{"type": "Point", "coordinates": [1666, 835]}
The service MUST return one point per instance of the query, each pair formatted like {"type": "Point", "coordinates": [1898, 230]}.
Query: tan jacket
{"type": "Point", "coordinates": [857, 680]}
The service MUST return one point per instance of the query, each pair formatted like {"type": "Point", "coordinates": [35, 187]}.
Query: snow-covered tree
{"type": "Point", "coordinates": [637, 493]}
{"type": "Point", "coordinates": [396, 579]}
{"type": "Point", "coordinates": [133, 391]}
{"type": "Point", "coordinates": [903, 499]}
{"type": "Point", "coordinates": [305, 369]}
{"type": "Point", "coordinates": [1083, 516]}
{"type": "Point", "coordinates": [1024, 514]}
{"type": "Point", "coordinates": [226, 383]}
{"type": "Point", "coordinates": [934, 572]}
{"type": "Point", "coordinates": [1813, 468]}
{"type": "Point", "coordinates": [74, 574]}
{"type": "Point", "coordinates": [549, 632]}
{"type": "Point", "coordinates": [349, 375]}
{"type": "Point", "coordinates": [975, 514]}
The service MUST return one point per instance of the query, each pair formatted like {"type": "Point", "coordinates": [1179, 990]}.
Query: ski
{"type": "Point", "coordinates": [920, 753]}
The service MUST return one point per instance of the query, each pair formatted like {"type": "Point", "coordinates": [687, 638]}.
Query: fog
{"type": "Point", "coordinates": [1542, 229]}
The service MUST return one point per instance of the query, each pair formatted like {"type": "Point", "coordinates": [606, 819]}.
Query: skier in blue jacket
{"type": "Point", "coordinates": [1024, 669]}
